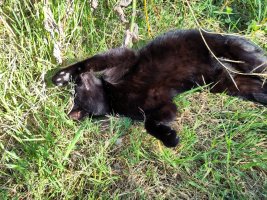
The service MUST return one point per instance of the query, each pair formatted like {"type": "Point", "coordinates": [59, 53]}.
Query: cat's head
{"type": "Point", "coordinates": [90, 98]}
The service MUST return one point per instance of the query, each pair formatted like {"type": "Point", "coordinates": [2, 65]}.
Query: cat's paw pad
{"type": "Point", "coordinates": [171, 139]}
{"type": "Point", "coordinates": [61, 78]}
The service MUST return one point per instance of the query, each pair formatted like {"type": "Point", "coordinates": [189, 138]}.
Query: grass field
{"type": "Point", "coordinates": [45, 155]}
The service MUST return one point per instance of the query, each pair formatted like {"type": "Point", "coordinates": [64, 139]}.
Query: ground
{"type": "Point", "coordinates": [45, 155]}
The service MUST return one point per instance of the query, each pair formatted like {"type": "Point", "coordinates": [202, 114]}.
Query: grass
{"type": "Point", "coordinates": [45, 155]}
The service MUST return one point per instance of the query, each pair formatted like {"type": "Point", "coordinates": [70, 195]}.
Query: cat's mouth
{"type": "Point", "coordinates": [77, 113]}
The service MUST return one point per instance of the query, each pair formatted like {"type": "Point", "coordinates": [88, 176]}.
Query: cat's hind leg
{"type": "Point", "coordinates": [244, 79]}
{"type": "Point", "coordinates": [252, 86]}
{"type": "Point", "coordinates": [250, 57]}
{"type": "Point", "coordinates": [253, 58]}
{"type": "Point", "coordinates": [157, 124]}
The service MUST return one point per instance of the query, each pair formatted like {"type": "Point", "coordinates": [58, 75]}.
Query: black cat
{"type": "Point", "coordinates": [141, 84]}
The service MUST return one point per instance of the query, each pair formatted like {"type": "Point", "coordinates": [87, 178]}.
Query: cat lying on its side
{"type": "Point", "coordinates": [141, 84]}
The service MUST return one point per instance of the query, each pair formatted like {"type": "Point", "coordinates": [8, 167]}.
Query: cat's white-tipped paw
{"type": "Point", "coordinates": [61, 78]}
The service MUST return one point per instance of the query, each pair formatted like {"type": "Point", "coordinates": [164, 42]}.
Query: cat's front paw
{"type": "Point", "coordinates": [171, 139]}
{"type": "Point", "coordinates": [61, 78]}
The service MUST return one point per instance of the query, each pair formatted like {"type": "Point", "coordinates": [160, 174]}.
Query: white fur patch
{"type": "Point", "coordinates": [62, 73]}
{"type": "Point", "coordinates": [59, 84]}
{"type": "Point", "coordinates": [58, 79]}
{"type": "Point", "coordinates": [66, 77]}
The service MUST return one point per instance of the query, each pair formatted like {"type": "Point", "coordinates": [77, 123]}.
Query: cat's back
{"type": "Point", "coordinates": [172, 40]}
{"type": "Point", "coordinates": [174, 48]}
{"type": "Point", "coordinates": [171, 56]}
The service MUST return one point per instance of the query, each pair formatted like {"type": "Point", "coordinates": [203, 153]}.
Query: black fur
{"type": "Point", "coordinates": [141, 84]}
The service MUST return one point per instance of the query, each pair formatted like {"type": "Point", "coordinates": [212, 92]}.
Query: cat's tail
{"type": "Point", "coordinates": [247, 87]}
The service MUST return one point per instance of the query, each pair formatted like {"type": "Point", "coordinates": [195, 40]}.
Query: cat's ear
{"type": "Point", "coordinates": [77, 113]}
